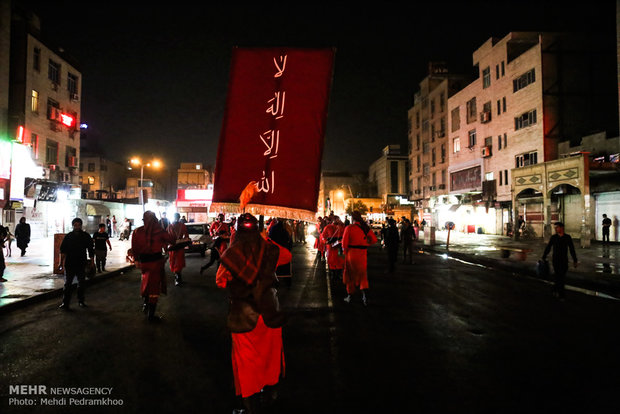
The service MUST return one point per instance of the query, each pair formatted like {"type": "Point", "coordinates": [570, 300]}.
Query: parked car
{"type": "Point", "coordinates": [201, 240]}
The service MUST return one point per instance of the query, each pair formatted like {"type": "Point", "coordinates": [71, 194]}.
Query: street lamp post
{"type": "Point", "coordinates": [138, 162]}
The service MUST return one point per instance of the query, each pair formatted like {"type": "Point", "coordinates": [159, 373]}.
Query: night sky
{"type": "Point", "coordinates": [155, 77]}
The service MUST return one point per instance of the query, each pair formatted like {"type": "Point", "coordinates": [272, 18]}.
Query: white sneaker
{"type": "Point", "coordinates": [348, 299]}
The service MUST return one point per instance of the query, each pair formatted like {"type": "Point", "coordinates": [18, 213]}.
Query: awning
{"type": "Point", "coordinates": [97, 210]}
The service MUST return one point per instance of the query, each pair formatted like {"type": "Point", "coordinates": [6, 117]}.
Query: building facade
{"type": "Point", "coordinates": [533, 91]}
{"type": "Point", "coordinates": [101, 178]}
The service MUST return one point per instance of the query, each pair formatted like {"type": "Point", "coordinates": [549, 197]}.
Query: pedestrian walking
{"type": "Point", "coordinates": [332, 237]}
{"type": "Point", "coordinates": [8, 241]}
{"type": "Point", "coordinates": [562, 244]}
{"type": "Point", "coordinates": [254, 319]}
{"type": "Point", "coordinates": [102, 242]}
{"type": "Point", "coordinates": [73, 249]}
{"type": "Point", "coordinates": [355, 241]}
{"type": "Point", "coordinates": [114, 227]}
{"type": "Point", "coordinates": [180, 235]}
{"type": "Point", "coordinates": [279, 234]}
{"type": "Point", "coordinates": [4, 234]}
{"type": "Point", "coordinates": [391, 240]}
{"type": "Point", "coordinates": [606, 227]}
{"type": "Point", "coordinates": [221, 229]}
{"type": "Point", "coordinates": [407, 235]}
{"type": "Point", "coordinates": [164, 222]}
{"type": "Point", "coordinates": [108, 224]}
{"type": "Point", "coordinates": [22, 234]}
{"type": "Point", "coordinates": [147, 245]}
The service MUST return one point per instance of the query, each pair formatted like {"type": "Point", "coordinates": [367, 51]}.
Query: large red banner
{"type": "Point", "coordinates": [273, 131]}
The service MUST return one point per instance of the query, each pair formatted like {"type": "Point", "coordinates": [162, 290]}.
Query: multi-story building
{"type": "Point", "coordinates": [533, 91]}
{"type": "Point", "coordinates": [428, 136]}
{"type": "Point", "coordinates": [389, 174]}
{"type": "Point", "coordinates": [194, 191]}
{"type": "Point", "coordinates": [40, 128]}
{"type": "Point", "coordinates": [101, 178]}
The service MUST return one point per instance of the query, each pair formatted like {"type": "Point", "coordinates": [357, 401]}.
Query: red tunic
{"type": "Point", "coordinates": [178, 231]}
{"type": "Point", "coordinates": [258, 355]}
{"type": "Point", "coordinates": [216, 229]}
{"type": "Point", "coordinates": [333, 260]}
{"type": "Point", "coordinates": [355, 274]}
{"type": "Point", "coordinates": [153, 272]}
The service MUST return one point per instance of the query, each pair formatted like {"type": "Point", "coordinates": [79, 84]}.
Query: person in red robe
{"type": "Point", "coordinates": [220, 229]}
{"type": "Point", "coordinates": [319, 244]}
{"type": "Point", "coordinates": [147, 245]}
{"type": "Point", "coordinates": [355, 241]}
{"type": "Point", "coordinates": [254, 319]}
{"type": "Point", "coordinates": [332, 238]}
{"type": "Point", "coordinates": [178, 230]}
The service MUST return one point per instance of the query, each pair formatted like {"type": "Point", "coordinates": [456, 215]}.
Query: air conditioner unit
{"type": "Point", "coordinates": [442, 186]}
{"type": "Point", "coordinates": [52, 167]}
{"type": "Point", "coordinates": [418, 191]}
{"type": "Point", "coordinates": [75, 97]}
{"type": "Point", "coordinates": [486, 151]}
{"type": "Point", "coordinates": [432, 188]}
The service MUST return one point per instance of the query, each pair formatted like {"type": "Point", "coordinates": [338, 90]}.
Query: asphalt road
{"type": "Point", "coordinates": [439, 336]}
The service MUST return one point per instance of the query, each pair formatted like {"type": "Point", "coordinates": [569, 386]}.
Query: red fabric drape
{"type": "Point", "coordinates": [273, 131]}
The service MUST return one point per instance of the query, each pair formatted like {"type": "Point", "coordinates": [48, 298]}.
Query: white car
{"type": "Point", "coordinates": [201, 240]}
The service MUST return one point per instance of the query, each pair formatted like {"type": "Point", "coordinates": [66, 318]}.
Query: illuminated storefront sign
{"type": "Point", "coordinates": [466, 179]}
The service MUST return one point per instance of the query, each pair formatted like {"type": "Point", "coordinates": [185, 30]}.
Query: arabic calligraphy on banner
{"type": "Point", "coordinates": [273, 130]}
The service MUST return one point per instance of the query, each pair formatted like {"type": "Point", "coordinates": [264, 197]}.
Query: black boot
{"type": "Point", "coordinates": [252, 404]}
{"type": "Point", "coordinates": [151, 313]}
{"type": "Point", "coordinates": [203, 268]}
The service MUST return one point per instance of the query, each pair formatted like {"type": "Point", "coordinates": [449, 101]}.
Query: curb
{"type": "Point", "coordinates": [18, 304]}
{"type": "Point", "coordinates": [528, 269]}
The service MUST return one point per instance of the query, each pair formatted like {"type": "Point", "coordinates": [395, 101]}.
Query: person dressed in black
{"type": "Point", "coordinates": [22, 234]}
{"type": "Point", "coordinates": [73, 261]}
{"type": "Point", "coordinates": [606, 226]}
{"type": "Point", "coordinates": [391, 240]}
{"type": "Point", "coordinates": [407, 235]}
{"type": "Point", "coordinates": [102, 242]}
{"type": "Point", "coordinates": [164, 222]}
{"type": "Point", "coordinates": [278, 233]}
{"type": "Point", "coordinates": [561, 243]}
{"type": "Point", "coordinates": [4, 235]}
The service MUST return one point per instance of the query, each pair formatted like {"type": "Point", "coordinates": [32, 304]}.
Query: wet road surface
{"type": "Point", "coordinates": [439, 336]}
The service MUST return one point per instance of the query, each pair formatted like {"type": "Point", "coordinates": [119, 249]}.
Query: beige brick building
{"type": "Point", "coordinates": [533, 91]}
{"type": "Point", "coordinates": [428, 135]}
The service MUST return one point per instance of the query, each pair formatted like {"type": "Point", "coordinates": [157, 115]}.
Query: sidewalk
{"type": "Point", "coordinates": [598, 270]}
{"type": "Point", "coordinates": [31, 276]}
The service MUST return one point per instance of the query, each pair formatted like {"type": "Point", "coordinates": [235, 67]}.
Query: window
{"type": "Point", "coordinates": [433, 132]}
{"type": "Point", "coordinates": [433, 157]}
{"type": "Point", "coordinates": [36, 59]}
{"type": "Point", "coordinates": [525, 120]}
{"type": "Point", "coordinates": [499, 107]}
{"type": "Point", "coordinates": [53, 72]}
{"type": "Point", "coordinates": [443, 176]}
{"type": "Point", "coordinates": [501, 175]}
{"type": "Point", "coordinates": [524, 80]}
{"type": "Point", "coordinates": [496, 71]}
{"type": "Point", "coordinates": [434, 180]}
{"type": "Point", "coordinates": [442, 127]}
{"type": "Point", "coordinates": [456, 119]}
{"type": "Point", "coordinates": [456, 145]}
{"type": "Point", "coordinates": [34, 141]}
{"type": "Point", "coordinates": [471, 110]}
{"type": "Point", "coordinates": [499, 142]}
{"type": "Point", "coordinates": [432, 108]}
{"type": "Point", "coordinates": [81, 166]}
{"type": "Point", "coordinates": [426, 169]}
{"type": "Point", "coordinates": [35, 101]}
{"type": "Point", "coordinates": [91, 180]}
{"type": "Point", "coordinates": [51, 152]}
{"type": "Point", "coordinates": [442, 102]}
{"type": "Point", "coordinates": [425, 125]}
{"type": "Point", "coordinates": [504, 104]}
{"type": "Point", "coordinates": [417, 141]}
{"type": "Point", "coordinates": [488, 176]}
{"type": "Point", "coordinates": [523, 160]}
{"type": "Point", "coordinates": [443, 153]}
{"type": "Point", "coordinates": [505, 177]}
{"type": "Point", "coordinates": [419, 165]}
{"type": "Point", "coordinates": [394, 177]}
{"type": "Point", "coordinates": [425, 147]}
{"type": "Point", "coordinates": [53, 108]}
{"type": "Point", "coordinates": [472, 138]}
{"type": "Point", "coordinates": [72, 84]}
{"type": "Point", "coordinates": [488, 141]}
{"type": "Point", "coordinates": [486, 77]}
{"type": "Point", "coordinates": [417, 120]}
{"type": "Point", "coordinates": [505, 140]}
{"type": "Point", "coordinates": [503, 69]}
{"type": "Point", "coordinates": [70, 156]}
{"type": "Point", "coordinates": [91, 167]}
